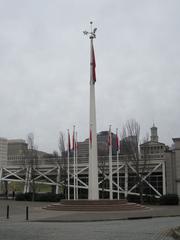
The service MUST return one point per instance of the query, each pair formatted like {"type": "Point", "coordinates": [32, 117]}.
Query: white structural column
{"type": "Point", "coordinates": [28, 179]}
{"type": "Point", "coordinates": [164, 177]}
{"type": "Point", "coordinates": [93, 190]}
{"type": "Point", "coordinates": [58, 179]}
{"type": "Point", "coordinates": [117, 174]}
{"type": "Point", "coordinates": [126, 180]}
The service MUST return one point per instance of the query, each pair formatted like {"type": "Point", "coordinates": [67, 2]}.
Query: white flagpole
{"type": "Point", "coordinates": [93, 189]}
{"type": "Point", "coordinates": [69, 142]}
{"type": "Point", "coordinates": [74, 163]}
{"type": "Point", "coordinates": [76, 167]}
{"type": "Point", "coordinates": [117, 163]}
{"type": "Point", "coordinates": [110, 164]}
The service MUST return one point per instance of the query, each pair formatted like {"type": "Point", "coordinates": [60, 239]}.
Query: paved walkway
{"type": "Point", "coordinates": [37, 213]}
{"type": "Point", "coordinates": [155, 223]}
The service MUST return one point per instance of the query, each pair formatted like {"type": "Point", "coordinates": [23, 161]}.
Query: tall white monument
{"type": "Point", "coordinates": [93, 191]}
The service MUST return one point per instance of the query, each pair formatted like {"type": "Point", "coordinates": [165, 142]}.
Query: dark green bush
{"type": "Point", "coordinates": [48, 197]}
{"type": "Point", "coordinates": [133, 198]}
{"type": "Point", "coordinates": [147, 199]}
{"type": "Point", "coordinates": [150, 199]}
{"type": "Point", "coordinates": [169, 199]}
{"type": "Point", "coordinates": [40, 197]}
{"type": "Point", "coordinates": [20, 197]}
{"type": "Point", "coordinates": [28, 196]}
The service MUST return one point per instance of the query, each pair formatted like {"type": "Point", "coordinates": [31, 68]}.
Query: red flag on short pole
{"type": "Point", "coordinates": [109, 138]}
{"type": "Point", "coordinates": [73, 141]}
{"type": "Point", "coordinates": [69, 142]}
{"type": "Point", "coordinates": [117, 141]}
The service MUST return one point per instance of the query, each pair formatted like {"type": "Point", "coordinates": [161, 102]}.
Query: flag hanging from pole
{"type": "Point", "coordinates": [117, 141]}
{"type": "Point", "coordinates": [69, 142]}
{"type": "Point", "coordinates": [93, 65]}
{"type": "Point", "coordinates": [90, 137]}
{"type": "Point", "coordinates": [76, 143]}
{"type": "Point", "coordinates": [73, 140]}
{"type": "Point", "coordinates": [109, 137]}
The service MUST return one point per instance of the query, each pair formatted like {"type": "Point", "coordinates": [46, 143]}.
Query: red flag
{"type": "Point", "coordinates": [73, 141]}
{"type": "Point", "coordinates": [109, 138]}
{"type": "Point", "coordinates": [69, 142]}
{"type": "Point", "coordinates": [117, 142]}
{"type": "Point", "coordinates": [90, 137]}
{"type": "Point", "coordinates": [93, 64]}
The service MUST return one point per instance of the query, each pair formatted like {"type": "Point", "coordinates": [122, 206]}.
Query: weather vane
{"type": "Point", "coordinates": [92, 33]}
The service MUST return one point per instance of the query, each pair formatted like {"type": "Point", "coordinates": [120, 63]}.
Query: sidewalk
{"type": "Point", "coordinates": [37, 213]}
{"type": "Point", "coordinates": [150, 212]}
{"type": "Point", "coordinates": [48, 223]}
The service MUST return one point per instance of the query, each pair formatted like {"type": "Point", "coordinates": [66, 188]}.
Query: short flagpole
{"type": "Point", "coordinates": [117, 143]}
{"type": "Point", "coordinates": [110, 165]}
{"type": "Point", "coordinates": [74, 163]}
{"type": "Point", "coordinates": [76, 167]}
{"type": "Point", "coordinates": [68, 163]}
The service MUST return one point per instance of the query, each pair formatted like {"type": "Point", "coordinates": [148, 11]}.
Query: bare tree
{"type": "Point", "coordinates": [61, 144]}
{"type": "Point", "coordinates": [55, 154]}
{"type": "Point", "coordinates": [63, 161]}
{"type": "Point", "coordinates": [130, 147]}
{"type": "Point", "coordinates": [32, 157]}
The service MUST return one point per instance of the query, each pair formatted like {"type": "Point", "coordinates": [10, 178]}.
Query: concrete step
{"type": "Point", "coordinates": [93, 202]}
{"type": "Point", "coordinates": [95, 207]}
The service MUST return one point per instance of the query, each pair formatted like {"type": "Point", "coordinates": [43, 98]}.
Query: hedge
{"type": "Point", "coordinates": [40, 197]}
{"type": "Point", "coordinates": [149, 199]}
{"type": "Point", "coordinates": [169, 199]}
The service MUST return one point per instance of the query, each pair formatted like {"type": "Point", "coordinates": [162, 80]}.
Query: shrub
{"type": "Point", "coordinates": [48, 197]}
{"type": "Point", "coordinates": [151, 199]}
{"type": "Point", "coordinates": [40, 197]}
{"type": "Point", "coordinates": [148, 199]}
{"type": "Point", "coordinates": [20, 197]}
{"type": "Point", "coordinates": [133, 198]}
{"type": "Point", "coordinates": [169, 199]}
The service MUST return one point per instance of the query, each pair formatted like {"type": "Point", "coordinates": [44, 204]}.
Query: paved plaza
{"type": "Point", "coordinates": [53, 225]}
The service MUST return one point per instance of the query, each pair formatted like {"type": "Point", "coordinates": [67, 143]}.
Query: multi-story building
{"type": "Point", "coordinates": [172, 158]}
{"type": "Point", "coordinates": [102, 141]}
{"type": "Point", "coordinates": [3, 151]}
{"type": "Point", "coordinates": [153, 149]}
{"type": "Point", "coordinates": [17, 147]}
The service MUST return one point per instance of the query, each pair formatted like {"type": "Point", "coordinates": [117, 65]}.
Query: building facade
{"type": "Point", "coordinates": [172, 158]}
{"type": "Point", "coordinates": [3, 151]}
{"type": "Point", "coordinates": [17, 147]}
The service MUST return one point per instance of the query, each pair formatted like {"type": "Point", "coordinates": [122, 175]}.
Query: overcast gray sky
{"type": "Point", "coordinates": [44, 67]}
